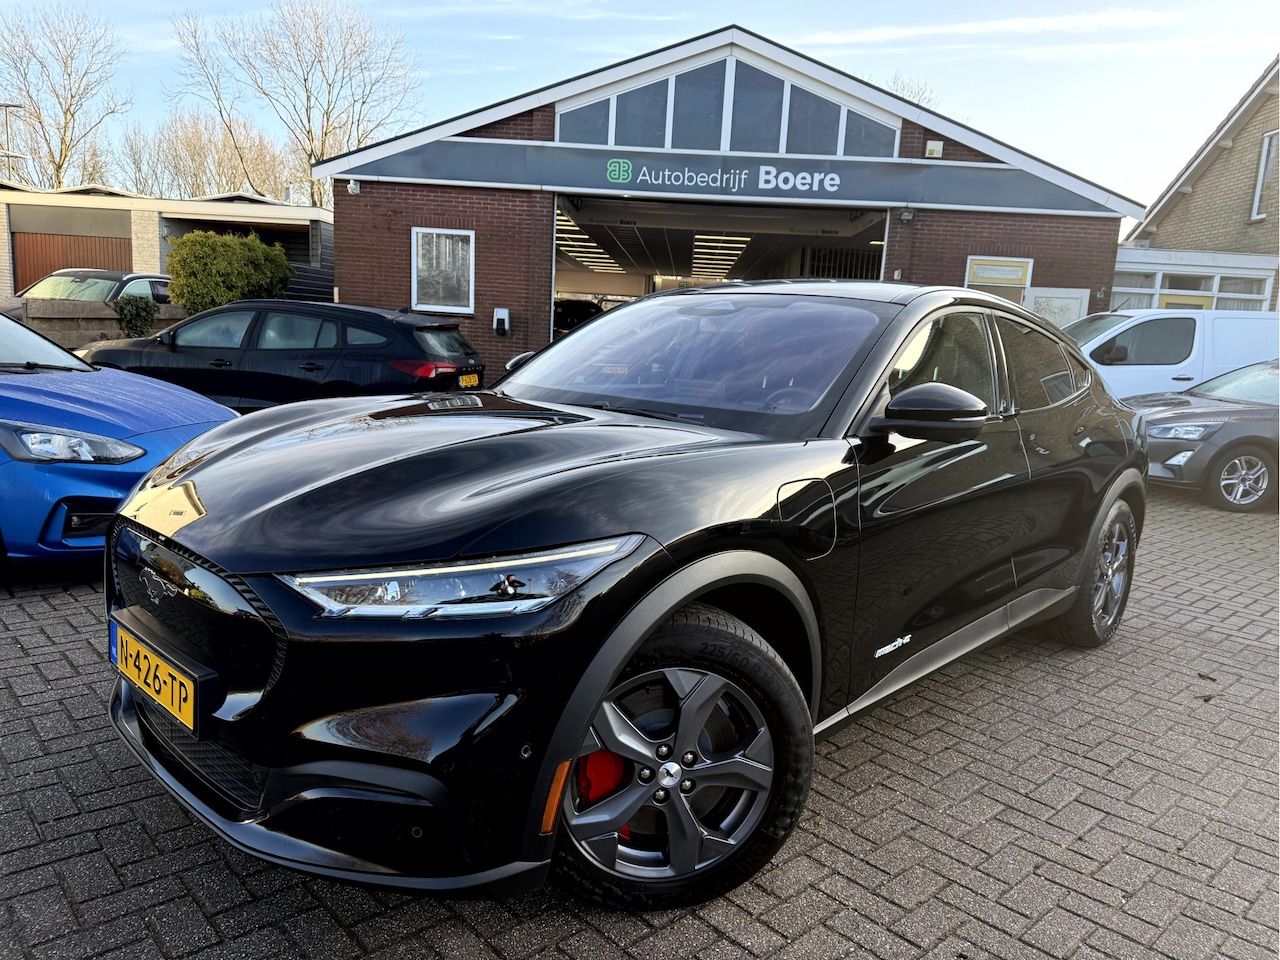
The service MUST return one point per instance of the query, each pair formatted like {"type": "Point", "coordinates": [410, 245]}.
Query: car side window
{"type": "Point", "coordinates": [293, 331]}
{"type": "Point", "coordinates": [1162, 341]}
{"type": "Point", "coordinates": [223, 330]}
{"type": "Point", "coordinates": [137, 288]}
{"type": "Point", "coordinates": [1039, 371]}
{"type": "Point", "coordinates": [160, 291]}
{"type": "Point", "coordinates": [362, 337]}
{"type": "Point", "coordinates": [953, 348]}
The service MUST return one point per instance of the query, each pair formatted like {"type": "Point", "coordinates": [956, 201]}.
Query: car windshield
{"type": "Point", "coordinates": [1090, 328]}
{"type": "Point", "coordinates": [22, 348]}
{"type": "Point", "coordinates": [71, 288]}
{"type": "Point", "coordinates": [1256, 383]}
{"type": "Point", "coordinates": [772, 364]}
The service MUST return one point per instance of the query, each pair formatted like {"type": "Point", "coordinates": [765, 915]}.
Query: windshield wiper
{"type": "Point", "coordinates": [32, 365]}
{"type": "Point", "coordinates": [642, 412]}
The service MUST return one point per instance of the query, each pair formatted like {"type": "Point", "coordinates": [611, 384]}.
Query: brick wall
{"type": "Point", "coordinates": [1216, 214]}
{"type": "Point", "coordinates": [145, 225]}
{"type": "Point", "coordinates": [912, 142]}
{"type": "Point", "coordinates": [536, 124]}
{"type": "Point", "coordinates": [513, 255]}
{"type": "Point", "coordinates": [1068, 251]}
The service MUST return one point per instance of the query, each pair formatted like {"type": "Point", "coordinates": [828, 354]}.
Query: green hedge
{"type": "Point", "coordinates": [210, 269]}
{"type": "Point", "coordinates": [135, 315]}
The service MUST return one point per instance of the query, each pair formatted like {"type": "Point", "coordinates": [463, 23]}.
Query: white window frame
{"type": "Point", "coordinates": [470, 308]}
{"type": "Point", "coordinates": [1270, 146]}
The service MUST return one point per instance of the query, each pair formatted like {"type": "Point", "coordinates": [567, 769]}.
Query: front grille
{"type": "Point", "coordinates": [207, 613]}
{"type": "Point", "coordinates": [234, 778]}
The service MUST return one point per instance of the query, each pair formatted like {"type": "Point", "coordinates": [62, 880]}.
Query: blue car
{"type": "Point", "coordinates": [75, 439]}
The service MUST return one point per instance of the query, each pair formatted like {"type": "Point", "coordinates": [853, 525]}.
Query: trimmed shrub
{"type": "Point", "coordinates": [135, 316]}
{"type": "Point", "coordinates": [210, 269]}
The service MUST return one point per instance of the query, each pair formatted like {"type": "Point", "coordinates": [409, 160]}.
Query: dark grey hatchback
{"type": "Point", "coordinates": [257, 353]}
{"type": "Point", "coordinates": [594, 616]}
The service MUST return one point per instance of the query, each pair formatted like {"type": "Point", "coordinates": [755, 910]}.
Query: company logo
{"type": "Point", "coordinates": [618, 171]}
{"type": "Point", "coordinates": [156, 588]}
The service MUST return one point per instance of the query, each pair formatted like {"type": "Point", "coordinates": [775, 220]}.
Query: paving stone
{"type": "Point", "coordinates": [1029, 801]}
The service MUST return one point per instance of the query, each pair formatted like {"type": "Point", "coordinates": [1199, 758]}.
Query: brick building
{"type": "Point", "coordinates": [1212, 238]}
{"type": "Point", "coordinates": [722, 157]}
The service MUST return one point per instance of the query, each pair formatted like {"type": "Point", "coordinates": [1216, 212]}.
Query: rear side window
{"type": "Point", "coordinates": [137, 288]}
{"type": "Point", "coordinates": [443, 342]}
{"type": "Point", "coordinates": [224, 330]}
{"type": "Point", "coordinates": [362, 337]}
{"type": "Point", "coordinates": [292, 331]}
{"type": "Point", "coordinates": [1039, 370]}
{"type": "Point", "coordinates": [1161, 341]}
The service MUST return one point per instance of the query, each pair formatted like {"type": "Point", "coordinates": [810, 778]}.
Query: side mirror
{"type": "Point", "coordinates": [932, 411]}
{"type": "Point", "coordinates": [166, 337]}
{"type": "Point", "coordinates": [520, 359]}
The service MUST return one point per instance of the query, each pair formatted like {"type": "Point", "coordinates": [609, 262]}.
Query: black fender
{"type": "Point", "coordinates": [680, 588]}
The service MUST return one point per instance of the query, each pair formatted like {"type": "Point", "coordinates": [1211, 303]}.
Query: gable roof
{"type": "Point", "coordinates": [728, 41]}
{"type": "Point", "coordinates": [1219, 140]}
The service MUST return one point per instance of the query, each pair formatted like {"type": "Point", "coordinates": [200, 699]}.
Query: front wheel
{"type": "Point", "coordinates": [693, 771]}
{"type": "Point", "coordinates": [1242, 480]}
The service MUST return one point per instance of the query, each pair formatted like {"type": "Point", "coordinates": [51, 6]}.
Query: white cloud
{"type": "Point", "coordinates": [1070, 23]}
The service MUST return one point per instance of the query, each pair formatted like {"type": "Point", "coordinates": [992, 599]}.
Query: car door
{"type": "Point", "coordinates": [1074, 447]}
{"type": "Point", "coordinates": [204, 355]}
{"type": "Point", "coordinates": [289, 358]}
{"type": "Point", "coordinates": [1152, 356]}
{"type": "Point", "coordinates": [935, 520]}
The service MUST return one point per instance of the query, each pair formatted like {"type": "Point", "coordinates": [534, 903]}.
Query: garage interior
{"type": "Point", "coordinates": [609, 249]}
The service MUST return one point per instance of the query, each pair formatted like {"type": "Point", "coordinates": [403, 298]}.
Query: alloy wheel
{"type": "Point", "coordinates": [1112, 583]}
{"type": "Point", "coordinates": [673, 775]}
{"type": "Point", "coordinates": [1244, 480]}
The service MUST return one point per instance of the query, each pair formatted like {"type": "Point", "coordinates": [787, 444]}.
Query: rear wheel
{"type": "Point", "coordinates": [693, 771]}
{"type": "Point", "coordinates": [1242, 480]}
{"type": "Point", "coordinates": [1105, 577]}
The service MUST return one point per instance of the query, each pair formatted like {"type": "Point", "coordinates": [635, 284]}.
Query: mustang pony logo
{"type": "Point", "coordinates": [157, 589]}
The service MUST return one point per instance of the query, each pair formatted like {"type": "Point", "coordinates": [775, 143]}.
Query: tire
{"type": "Point", "coordinates": [1242, 480]}
{"type": "Point", "coordinates": [693, 772]}
{"type": "Point", "coordinates": [1105, 578]}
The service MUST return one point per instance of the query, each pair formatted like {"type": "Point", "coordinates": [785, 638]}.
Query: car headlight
{"type": "Point", "coordinates": [470, 588]}
{"type": "Point", "coordinates": [40, 444]}
{"type": "Point", "coordinates": [1183, 431]}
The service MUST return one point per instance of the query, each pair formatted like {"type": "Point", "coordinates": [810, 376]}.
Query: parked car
{"type": "Point", "coordinates": [106, 286]}
{"type": "Point", "coordinates": [75, 440]}
{"type": "Point", "coordinates": [1149, 351]}
{"type": "Point", "coordinates": [1219, 437]}
{"type": "Point", "coordinates": [594, 616]}
{"type": "Point", "coordinates": [257, 353]}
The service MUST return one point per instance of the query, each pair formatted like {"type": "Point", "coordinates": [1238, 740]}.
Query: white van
{"type": "Point", "coordinates": [1155, 351]}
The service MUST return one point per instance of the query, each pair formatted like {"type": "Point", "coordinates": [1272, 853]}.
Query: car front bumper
{"type": "Point", "coordinates": [404, 753]}
{"type": "Point", "coordinates": [1180, 463]}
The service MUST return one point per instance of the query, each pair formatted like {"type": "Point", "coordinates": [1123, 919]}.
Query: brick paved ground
{"type": "Point", "coordinates": [1031, 801]}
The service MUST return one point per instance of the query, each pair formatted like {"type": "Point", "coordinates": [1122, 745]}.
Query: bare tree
{"type": "Point", "coordinates": [332, 80]}
{"type": "Point", "coordinates": [914, 89]}
{"type": "Point", "coordinates": [194, 154]}
{"type": "Point", "coordinates": [58, 63]}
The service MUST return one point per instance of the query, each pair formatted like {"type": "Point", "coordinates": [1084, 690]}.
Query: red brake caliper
{"type": "Point", "coordinates": [600, 774]}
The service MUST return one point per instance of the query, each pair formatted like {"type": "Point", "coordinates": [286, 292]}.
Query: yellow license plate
{"type": "Point", "coordinates": [469, 380]}
{"type": "Point", "coordinates": [156, 677]}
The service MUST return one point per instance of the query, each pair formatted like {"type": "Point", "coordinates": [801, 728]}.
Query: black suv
{"type": "Point", "coordinates": [256, 353]}
{"type": "Point", "coordinates": [593, 617]}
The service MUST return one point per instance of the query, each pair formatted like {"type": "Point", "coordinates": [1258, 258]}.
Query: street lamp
{"type": "Point", "coordinates": [8, 143]}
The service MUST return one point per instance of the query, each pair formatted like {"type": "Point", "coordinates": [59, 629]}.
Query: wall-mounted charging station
{"type": "Point", "coordinates": [501, 322]}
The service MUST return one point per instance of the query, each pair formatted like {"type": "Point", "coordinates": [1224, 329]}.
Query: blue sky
{"type": "Point", "coordinates": [1120, 93]}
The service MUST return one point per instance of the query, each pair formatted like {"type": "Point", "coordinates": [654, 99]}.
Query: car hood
{"type": "Point", "coordinates": [348, 481]}
{"type": "Point", "coordinates": [107, 402]}
{"type": "Point", "coordinates": [1165, 407]}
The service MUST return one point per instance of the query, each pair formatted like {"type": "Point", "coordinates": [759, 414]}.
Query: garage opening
{"type": "Point", "coordinates": [611, 250]}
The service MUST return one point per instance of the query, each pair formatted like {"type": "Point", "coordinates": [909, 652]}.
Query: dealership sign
{"type": "Point", "coordinates": [606, 171]}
